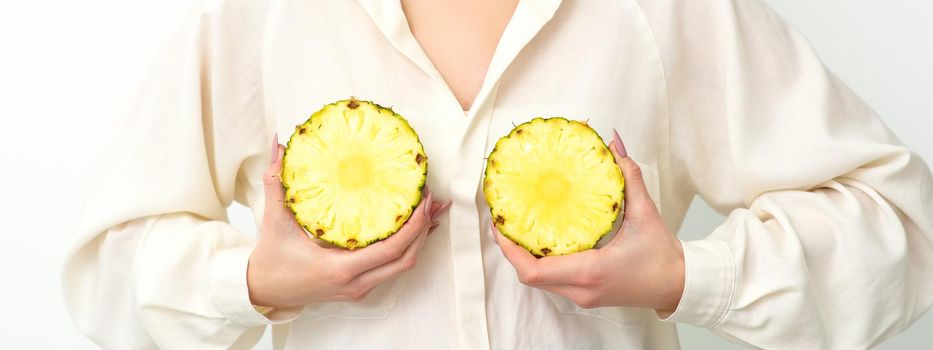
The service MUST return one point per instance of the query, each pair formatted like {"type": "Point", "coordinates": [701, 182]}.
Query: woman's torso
{"type": "Point", "coordinates": [592, 61]}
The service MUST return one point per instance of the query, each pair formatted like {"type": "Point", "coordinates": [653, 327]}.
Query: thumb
{"type": "Point", "coordinates": [272, 181]}
{"type": "Point", "coordinates": [637, 199]}
{"type": "Point", "coordinates": [277, 220]}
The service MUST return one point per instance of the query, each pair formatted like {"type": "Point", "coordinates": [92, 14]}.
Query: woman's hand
{"type": "Point", "coordinates": [643, 265]}
{"type": "Point", "coordinates": [286, 268]}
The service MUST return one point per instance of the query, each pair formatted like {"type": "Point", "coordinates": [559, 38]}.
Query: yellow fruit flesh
{"type": "Point", "coordinates": [353, 173]}
{"type": "Point", "coordinates": [553, 186]}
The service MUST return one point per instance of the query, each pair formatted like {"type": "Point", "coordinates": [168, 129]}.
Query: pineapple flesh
{"type": "Point", "coordinates": [353, 173]}
{"type": "Point", "coordinates": [553, 186]}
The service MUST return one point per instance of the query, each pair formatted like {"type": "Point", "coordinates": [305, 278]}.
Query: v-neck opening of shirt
{"type": "Point", "coordinates": [527, 19]}
{"type": "Point", "coordinates": [466, 253]}
{"type": "Point", "coordinates": [440, 76]}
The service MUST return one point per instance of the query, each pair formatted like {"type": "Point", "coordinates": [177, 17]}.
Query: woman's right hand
{"type": "Point", "coordinates": [287, 268]}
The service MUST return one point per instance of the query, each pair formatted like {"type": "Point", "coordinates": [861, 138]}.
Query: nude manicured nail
{"type": "Point", "coordinates": [440, 210]}
{"type": "Point", "coordinates": [427, 203]}
{"type": "Point", "coordinates": [275, 148]}
{"type": "Point", "coordinates": [620, 147]}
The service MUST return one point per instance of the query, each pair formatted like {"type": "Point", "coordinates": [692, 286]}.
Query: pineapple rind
{"type": "Point", "coordinates": [560, 243]}
{"type": "Point", "coordinates": [363, 237]}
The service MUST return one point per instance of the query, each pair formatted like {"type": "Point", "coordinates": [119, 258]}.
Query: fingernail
{"type": "Point", "coordinates": [427, 203]}
{"type": "Point", "coordinates": [620, 147]}
{"type": "Point", "coordinates": [275, 148]}
{"type": "Point", "coordinates": [441, 209]}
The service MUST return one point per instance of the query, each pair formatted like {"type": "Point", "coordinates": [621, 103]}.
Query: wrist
{"type": "Point", "coordinates": [261, 292]}
{"type": "Point", "coordinates": [673, 285]}
{"type": "Point", "coordinates": [253, 284]}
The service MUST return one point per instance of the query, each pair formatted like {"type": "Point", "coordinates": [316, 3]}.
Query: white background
{"type": "Point", "coordinates": [68, 71]}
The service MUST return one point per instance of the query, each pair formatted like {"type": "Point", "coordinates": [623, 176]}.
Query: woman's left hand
{"type": "Point", "coordinates": [643, 265]}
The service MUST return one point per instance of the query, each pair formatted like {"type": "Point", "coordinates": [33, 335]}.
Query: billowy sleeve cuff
{"type": "Point", "coordinates": [709, 282]}
{"type": "Point", "coordinates": [231, 294]}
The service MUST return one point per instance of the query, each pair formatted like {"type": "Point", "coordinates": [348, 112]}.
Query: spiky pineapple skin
{"type": "Point", "coordinates": [311, 228]}
{"type": "Point", "coordinates": [616, 184]}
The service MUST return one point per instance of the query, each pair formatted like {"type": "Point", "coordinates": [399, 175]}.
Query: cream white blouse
{"type": "Point", "coordinates": [828, 241]}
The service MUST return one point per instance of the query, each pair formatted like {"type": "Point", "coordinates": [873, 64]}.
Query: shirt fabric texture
{"type": "Point", "coordinates": [828, 241]}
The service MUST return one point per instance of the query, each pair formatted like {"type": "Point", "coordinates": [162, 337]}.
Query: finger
{"type": "Point", "coordinates": [275, 148]}
{"type": "Point", "coordinates": [571, 269]}
{"type": "Point", "coordinates": [434, 207]}
{"type": "Point", "coordinates": [564, 290]}
{"type": "Point", "coordinates": [520, 258]}
{"type": "Point", "coordinates": [619, 145]}
{"type": "Point", "coordinates": [583, 297]}
{"type": "Point", "coordinates": [379, 274]}
{"type": "Point", "coordinates": [637, 197]}
{"type": "Point", "coordinates": [277, 219]}
{"type": "Point", "coordinates": [272, 183]}
{"type": "Point", "coordinates": [393, 247]}
{"type": "Point", "coordinates": [429, 199]}
{"type": "Point", "coordinates": [433, 227]}
{"type": "Point", "coordinates": [440, 209]}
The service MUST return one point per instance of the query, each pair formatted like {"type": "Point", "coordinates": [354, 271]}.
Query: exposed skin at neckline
{"type": "Point", "coordinates": [460, 38]}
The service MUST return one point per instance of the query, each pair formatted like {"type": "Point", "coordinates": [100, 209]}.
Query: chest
{"type": "Point", "coordinates": [593, 62]}
{"type": "Point", "coordinates": [459, 38]}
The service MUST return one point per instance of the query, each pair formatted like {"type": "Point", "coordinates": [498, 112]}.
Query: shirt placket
{"type": "Point", "coordinates": [465, 241]}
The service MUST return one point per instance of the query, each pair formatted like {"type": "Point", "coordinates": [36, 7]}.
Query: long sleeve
{"type": "Point", "coordinates": [154, 263]}
{"type": "Point", "coordinates": [828, 241]}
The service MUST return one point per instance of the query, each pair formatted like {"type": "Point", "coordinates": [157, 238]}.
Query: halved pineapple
{"type": "Point", "coordinates": [553, 187]}
{"type": "Point", "coordinates": [353, 173]}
